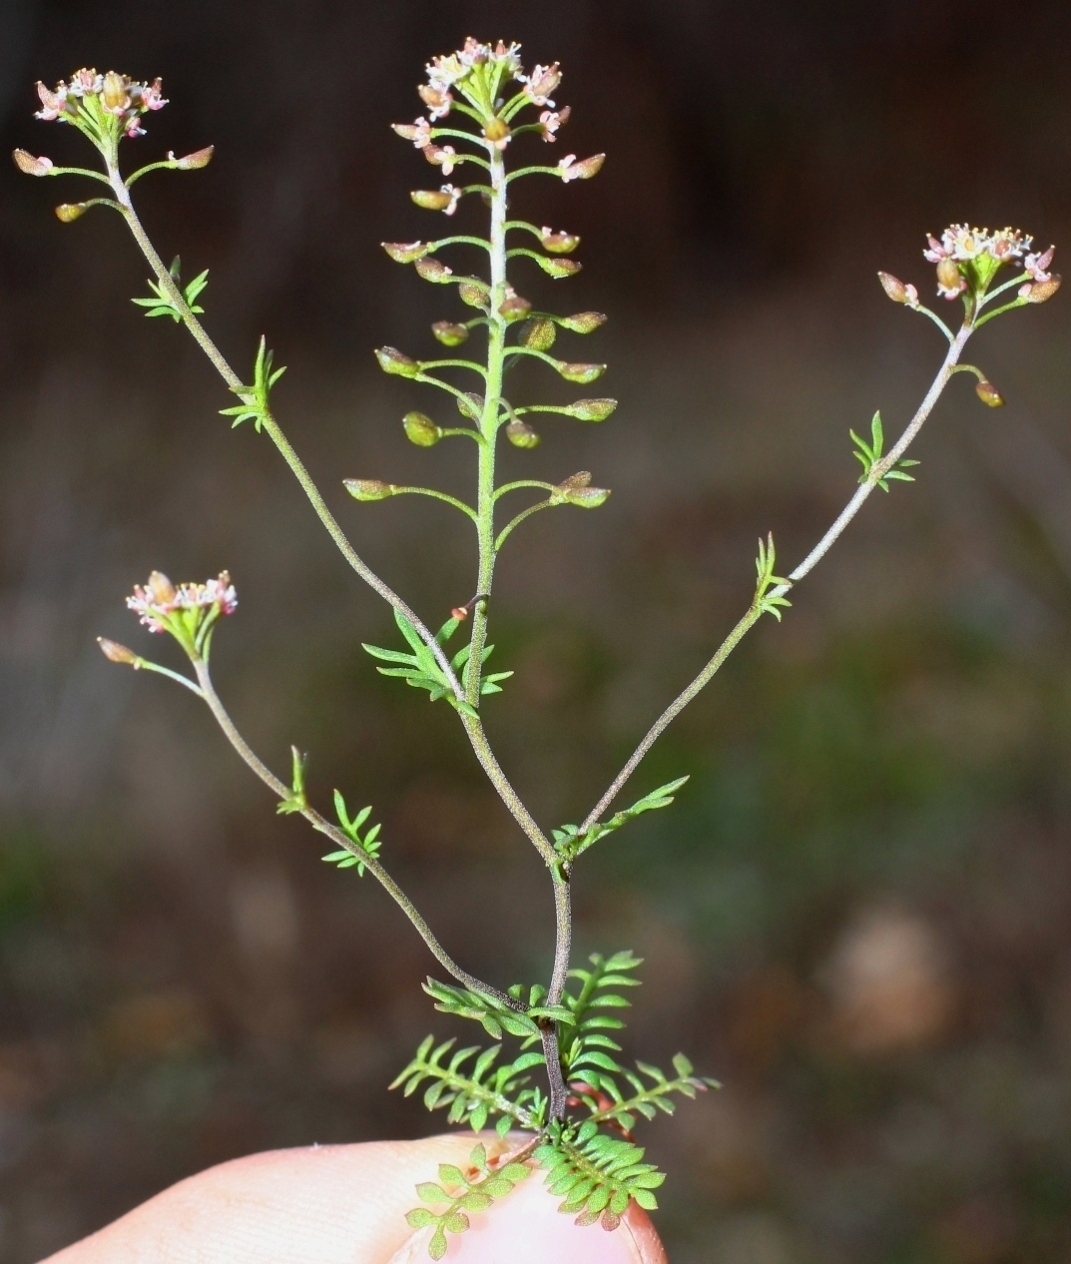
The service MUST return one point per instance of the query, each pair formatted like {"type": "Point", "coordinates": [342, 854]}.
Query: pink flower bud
{"type": "Point", "coordinates": [26, 162]}
{"type": "Point", "coordinates": [195, 161]}
{"type": "Point", "coordinates": [437, 101]}
{"type": "Point", "coordinates": [521, 435]}
{"type": "Point", "coordinates": [368, 488]}
{"type": "Point", "coordinates": [68, 212]}
{"type": "Point", "coordinates": [116, 653]}
{"type": "Point", "coordinates": [583, 322]}
{"type": "Point", "coordinates": [391, 360]}
{"type": "Point", "coordinates": [570, 169]}
{"type": "Point", "coordinates": [582, 373]}
{"type": "Point", "coordinates": [894, 287]}
{"type": "Point", "coordinates": [449, 334]}
{"type": "Point", "coordinates": [421, 430]}
{"type": "Point", "coordinates": [989, 394]}
{"type": "Point", "coordinates": [405, 251]}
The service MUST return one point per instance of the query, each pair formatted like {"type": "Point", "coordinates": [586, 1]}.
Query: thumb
{"type": "Point", "coordinates": [347, 1205]}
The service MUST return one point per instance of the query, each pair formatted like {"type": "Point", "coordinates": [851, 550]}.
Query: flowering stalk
{"type": "Point", "coordinates": [476, 99]}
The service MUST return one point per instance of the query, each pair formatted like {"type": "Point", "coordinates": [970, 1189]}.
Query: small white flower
{"type": "Point", "coordinates": [454, 193]}
{"type": "Point", "coordinates": [1037, 265]}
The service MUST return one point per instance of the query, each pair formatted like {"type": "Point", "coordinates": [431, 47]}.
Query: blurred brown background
{"type": "Point", "coordinates": [858, 915]}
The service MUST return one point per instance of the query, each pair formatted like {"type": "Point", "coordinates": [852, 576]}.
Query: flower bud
{"type": "Point", "coordinates": [116, 653]}
{"type": "Point", "coordinates": [515, 308]}
{"type": "Point", "coordinates": [31, 166]}
{"type": "Point", "coordinates": [587, 167]}
{"type": "Point", "coordinates": [431, 199]}
{"type": "Point", "coordinates": [68, 212]}
{"type": "Point", "coordinates": [409, 131]}
{"type": "Point", "coordinates": [115, 94]}
{"type": "Point", "coordinates": [538, 334]}
{"type": "Point", "coordinates": [583, 322]}
{"type": "Point", "coordinates": [1040, 291]}
{"type": "Point", "coordinates": [449, 334]}
{"type": "Point", "coordinates": [894, 287]}
{"type": "Point", "coordinates": [405, 251]}
{"type": "Point", "coordinates": [470, 405]}
{"type": "Point", "coordinates": [989, 394]}
{"type": "Point", "coordinates": [472, 295]}
{"type": "Point", "coordinates": [421, 430]}
{"type": "Point", "coordinates": [162, 589]}
{"type": "Point", "coordinates": [195, 161]}
{"type": "Point", "coordinates": [582, 373]}
{"type": "Point", "coordinates": [497, 132]}
{"type": "Point", "coordinates": [391, 360]}
{"type": "Point", "coordinates": [368, 488]}
{"type": "Point", "coordinates": [434, 271]}
{"type": "Point", "coordinates": [438, 102]}
{"type": "Point", "coordinates": [521, 435]}
{"type": "Point", "coordinates": [591, 409]}
{"type": "Point", "coordinates": [559, 268]}
{"type": "Point", "coordinates": [559, 243]}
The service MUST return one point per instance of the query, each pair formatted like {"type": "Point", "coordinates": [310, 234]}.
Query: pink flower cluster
{"type": "Point", "coordinates": [960, 243]}
{"type": "Point", "coordinates": [120, 96]}
{"type": "Point", "coordinates": [444, 72]}
{"type": "Point", "coordinates": [159, 598]}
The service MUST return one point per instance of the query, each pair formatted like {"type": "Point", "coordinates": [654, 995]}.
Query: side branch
{"type": "Point", "coordinates": [880, 469]}
{"type": "Point", "coordinates": [323, 826]}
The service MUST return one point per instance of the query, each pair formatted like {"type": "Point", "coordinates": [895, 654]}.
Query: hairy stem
{"type": "Point", "coordinates": [323, 826]}
{"type": "Point", "coordinates": [880, 469]}
{"type": "Point", "coordinates": [286, 450]}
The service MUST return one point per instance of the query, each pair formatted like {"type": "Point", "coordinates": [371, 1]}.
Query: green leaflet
{"type": "Point", "coordinates": [645, 1099]}
{"type": "Point", "coordinates": [421, 669]}
{"type": "Point", "coordinates": [460, 1193]}
{"type": "Point", "coordinates": [595, 1175]}
{"type": "Point", "coordinates": [477, 1092]}
{"type": "Point", "coordinates": [296, 800]}
{"type": "Point", "coordinates": [869, 454]}
{"type": "Point", "coordinates": [255, 399]}
{"type": "Point", "coordinates": [570, 843]}
{"type": "Point", "coordinates": [764, 601]}
{"type": "Point", "coordinates": [160, 302]}
{"type": "Point", "coordinates": [369, 842]}
{"type": "Point", "coordinates": [584, 1047]}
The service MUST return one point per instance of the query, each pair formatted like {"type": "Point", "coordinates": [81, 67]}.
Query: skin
{"type": "Point", "coordinates": [347, 1205]}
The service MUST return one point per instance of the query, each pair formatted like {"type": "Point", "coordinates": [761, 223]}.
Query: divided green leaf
{"type": "Point", "coordinates": [570, 843]}
{"type": "Point", "coordinates": [160, 302]}
{"type": "Point", "coordinates": [255, 399]}
{"type": "Point", "coordinates": [296, 800]}
{"type": "Point", "coordinates": [595, 1175]}
{"type": "Point", "coordinates": [765, 601]}
{"type": "Point", "coordinates": [369, 842]}
{"type": "Point", "coordinates": [869, 454]}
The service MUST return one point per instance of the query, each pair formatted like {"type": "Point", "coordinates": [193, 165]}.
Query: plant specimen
{"type": "Point", "coordinates": [554, 1067]}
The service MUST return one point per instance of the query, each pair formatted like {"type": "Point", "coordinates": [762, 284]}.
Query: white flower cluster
{"type": "Point", "coordinates": [159, 598]}
{"type": "Point", "coordinates": [120, 96]}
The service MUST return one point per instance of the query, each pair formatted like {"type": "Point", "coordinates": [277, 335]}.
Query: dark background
{"type": "Point", "coordinates": [858, 915]}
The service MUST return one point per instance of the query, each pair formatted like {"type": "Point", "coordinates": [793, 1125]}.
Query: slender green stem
{"type": "Point", "coordinates": [877, 472]}
{"type": "Point", "coordinates": [235, 383]}
{"type": "Point", "coordinates": [534, 171]}
{"type": "Point", "coordinates": [144, 664]}
{"type": "Point", "coordinates": [323, 826]}
{"type": "Point", "coordinates": [79, 171]}
{"type": "Point", "coordinates": [925, 311]}
{"type": "Point", "coordinates": [454, 364]}
{"type": "Point", "coordinates": [144, 171]}
{"type": "Point", "coordinates": [430, 491]}
{"type": "Point", "coordinates": [524, 482]}
{"type": "Point", "coordinates": [516, 522]}
{"type": "Point", "coordinates": [462, 240]}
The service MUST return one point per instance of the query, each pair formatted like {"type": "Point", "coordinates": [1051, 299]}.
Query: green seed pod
{"type": "Point", "coordinates": [1041, 291]}
{"type": "Point", "coordinates": [31, 165]}
{"type": "Point", "coordinates": [68, 212]}
{"type": "Point", "coordinates": [431, 199]}
{"type": "Point", "coordinates": [583, 322]}
{"type": "Point", "coordinates": [582, 373]}
{"type": "Point", "coordinates": [472, 295]}
{"type": "Point", "coordinates": [538, 334]}
{"type": "Point", "coordinates": [515, 308]}
{"type": "Point", "coordinates": [195, 161]}
{"type": "Point", "coordinates": [497, 132]}
{"type": "Point", "coordinates": [470, 405]}
{"type": "Point", "coordinates": [559, 243]}
{"type": "Point", "coordinates": [521, 435]}
{"type": "Point", "coordinates": [587, 497]}
{"type": "Point", "coordinates": [405, 251]}
{"type": "Point", "coordinates": [391, 360]}
{"type": "Point", "coordinates": [421, 430]}
{"type": "Point", "coordinates": [434, 271]}
{"type": "Point", "coordinates": [449, 334]}
{"type": "Point", "coordinates": [368, 488]}
{"type": "Point", "coordinates": [989, 394]}
{"type": "Point", "coordinates": [559, 268]}
{"type": "Point", "coordinates": [591, 409]}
